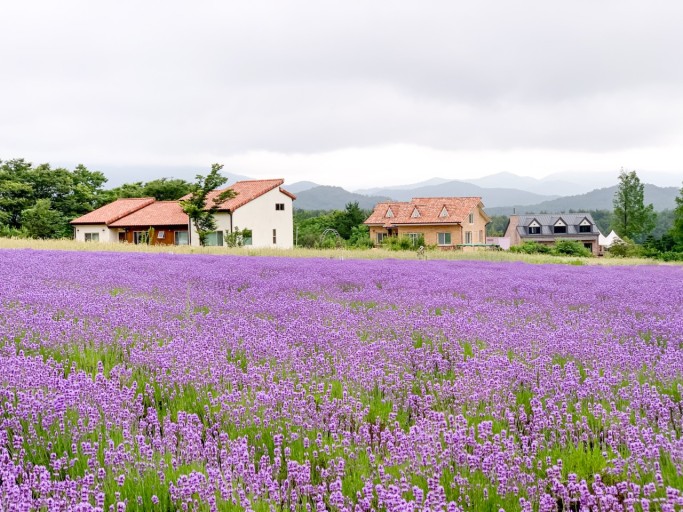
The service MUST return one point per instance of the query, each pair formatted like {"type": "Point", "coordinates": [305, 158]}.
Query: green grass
{"type": "Point", "coordinates": [374, 254]}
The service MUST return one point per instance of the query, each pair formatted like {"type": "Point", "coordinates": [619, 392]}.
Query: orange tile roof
{"type": "Point", "coordinates": [247, 191]}
{"type": "Point", "coordinates": [159, 213]}
{"type": "Point", "coordinates": [427, 210]}
{"type": "Point", "coordinates": [114, 211]}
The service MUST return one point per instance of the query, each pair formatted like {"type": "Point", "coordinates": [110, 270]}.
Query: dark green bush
{"type": "Point", "coordinates": [531, 248]}
{"type": "Point", "coordinates": [570, 248]}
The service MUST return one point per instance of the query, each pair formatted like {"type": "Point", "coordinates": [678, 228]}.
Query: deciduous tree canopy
{"type": "Point", "coordinates": [632, 218]}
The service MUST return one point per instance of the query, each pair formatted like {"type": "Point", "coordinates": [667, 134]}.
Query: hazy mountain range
{"type": "Point", "coordinates": [502, 193]}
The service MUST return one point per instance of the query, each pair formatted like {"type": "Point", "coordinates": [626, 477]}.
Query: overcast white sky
{"type": "Point", "coordinates": [353, 93]}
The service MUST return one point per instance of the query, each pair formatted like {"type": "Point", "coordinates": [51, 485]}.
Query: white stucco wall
{"type": "Point", "coordinates": [222, 224]}
{"type": "Point", "coordinates": [106, 235]}
{"type": "Point", "coordinates": [261, 217]}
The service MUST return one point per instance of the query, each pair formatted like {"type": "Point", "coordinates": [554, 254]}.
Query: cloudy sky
{"type": "Point", "coordinates": [353, 93]}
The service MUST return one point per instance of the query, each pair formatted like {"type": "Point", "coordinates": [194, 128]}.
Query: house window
{"type": "Point", "coordinates": [140, 237]}
{"type": "Point", "coordinates": [481, 236]}
{"type": "Point", "coordinates": [468, 237]}
{"type": "Point", "coordinates": [415, 214]}
{"type": "Point", "coordinates": [214, 239]}
{"type": "Point", "coordinates": [161, 234]}
{"type": "Point", "coordinates": [280, 207]}
{"type": "Point", "coordinates": [414, 237]}
{"type": "Point", "coordinates": [534, 230]}
{"type": "Point", "coordinates": [559, 229]}
{"type": "Point", "coordinates": [471, 219]}
{"type": "Point", "coordinates": [584, 229]}
{"type": "Point", "coordinates": [588, 246]}
{"type": "Point", "coordinates": [443, 238]}
{"type": "Point", "coordinates": [444, 213]}
{"type": "Point", "coordinates": [92, 237]}
{"type": "Point", "coordinates": [381, 237]}
{"type": "Point", "coordinates": [274, 236]}
{"type": "Point", "coordinates": [181, 238]}
{"type": "Point", "coordinates": [247, 240]}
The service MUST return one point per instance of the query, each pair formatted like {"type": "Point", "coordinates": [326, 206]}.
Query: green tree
{"type": "Point", "coordinates": [16, 192]}
{"type": "Point", "coordinates": [351, 217]}
{"type": "Point", "coordinates": [360, 237]}
{"type": "Point", "coordinates": [136, 189]}
{"type": "Point", "coordinates": [497, 225]}
{"type": "Point", "coordinates": [677, 228]}
{"type": "Point", "coordinates": [166, 189]}
{"type": "Point", "coordinates": [632, 218]}
{"type": "Point", "coordinates": [200, 213]}
{"type": "Point", "coordinates": [41, 221]}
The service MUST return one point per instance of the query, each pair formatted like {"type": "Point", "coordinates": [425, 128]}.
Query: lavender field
{"type": "Point", "coordinates": [169, 382]}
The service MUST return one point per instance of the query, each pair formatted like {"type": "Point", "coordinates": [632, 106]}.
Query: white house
{"type": "Point", "coordinates": [261, 206]}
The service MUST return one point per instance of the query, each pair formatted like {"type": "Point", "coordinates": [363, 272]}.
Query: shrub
{"type": "Point", "coordinates": [670, 256]}
{"type": "Point", "coordinates": [624, 249]}
{"type": "Point", "coordinates": [531, 248]}
{"type": "Point", "coordinates": [395, 243]}
{"type": "Point", "coordinates": [10, 232]}
{"type": "Point", "coordinates": [570, 248]}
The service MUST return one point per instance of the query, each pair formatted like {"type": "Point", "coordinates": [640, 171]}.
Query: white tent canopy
{"type": "Point", "coordinates": [607, 241]}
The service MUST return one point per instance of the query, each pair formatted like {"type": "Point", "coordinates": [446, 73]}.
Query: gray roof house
{"type": "Point", "coordinates": [547, 228]}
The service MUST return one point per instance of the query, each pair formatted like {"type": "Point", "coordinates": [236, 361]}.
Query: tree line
{"type": "Point", "coordinates": [39, 201]}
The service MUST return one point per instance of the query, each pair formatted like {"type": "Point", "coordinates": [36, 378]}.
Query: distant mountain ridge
{"type": "Point", "coordinates": [325, 197]}
{"type": "Point", "coordinates": [662, 198]}
{"type": "Point", "coordinates": [498, 201]}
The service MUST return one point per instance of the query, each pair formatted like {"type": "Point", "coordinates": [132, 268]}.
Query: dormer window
{"type": "Point", "coordinates": [534, 227]}
{"type": "Point", "coordinates": [560, 227]}
{"type": "Point", "coordinates": [389, 214]}
{"type": "Point", "coordinates": [585, 226]}
{"type": "Point", "coordinates": [444, 213]}
{"type": "Point", "coordinates": [415, 214]}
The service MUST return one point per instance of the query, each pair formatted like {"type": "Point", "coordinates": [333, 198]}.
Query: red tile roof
{"type": "Point", "coordinates": [114, 211]}
{"type": "Point", "coordinates": [424, 210]}
{"type": "Point", "coordinates": [247, 191]}
{"type": "Point", "coordinates": [159, 213]}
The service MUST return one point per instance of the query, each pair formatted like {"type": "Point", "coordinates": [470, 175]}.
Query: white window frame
{"type": "Point", "coordinates": [381, 236]}
{"type": "Point", "coordinates": [441, 238]}
{"type": "Point", "coordinates": [468, 237]}
{"type": "Point", "coordinates": [471, 218]}
{"type": "Point", "coordinates": [91, 237]}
